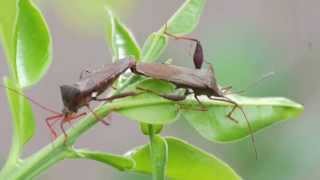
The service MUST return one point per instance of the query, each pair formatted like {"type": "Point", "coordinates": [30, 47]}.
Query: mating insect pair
{"type": "Point", "coordinates": [91, 85]}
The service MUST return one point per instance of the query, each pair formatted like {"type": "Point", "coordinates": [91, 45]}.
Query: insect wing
{"type": "Point", "coordinates": [107, 74]}
{"type": "Point", "coordinates": [175, 74]}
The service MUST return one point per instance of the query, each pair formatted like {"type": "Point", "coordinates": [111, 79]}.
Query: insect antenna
{"type": "Point", "coordinates": [253, 84]}
{"type": "Point", "coordinates": [251, 132]}
{"type": "Point", "coordinates": [31, 100]}
{"type": "Point", "coordinates": [248, 124]}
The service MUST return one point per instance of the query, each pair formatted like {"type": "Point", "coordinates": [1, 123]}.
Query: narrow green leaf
{"type": "Point", "coordinates": [153, 47]}
{"type": "Point", "coordinates": [8, 14]}
{"type": "Point", "coordinates": [159, 148]}
{"type": "Point", "coordinates": [122, 41]}
{"type": "Point", "coordinates": [24, 124]}
{"type": "Point", "coordinates": [261, 112]}
{"type": "Point", "coordinates": [186, 18]}
{"type": "Point", "coordinates": [117, 161]}
{"type": "Point", "coordinates": [185, 162]}
{"type": "Point", "coordinates": [33, 44]}
{"type": "Point", "coordinates": [182, 22]}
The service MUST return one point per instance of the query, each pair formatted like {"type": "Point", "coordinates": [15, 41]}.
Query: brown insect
{"type": "Point", "coordinates": [200, 81]}
{"type": "Point", "coordinates": [81, 93]}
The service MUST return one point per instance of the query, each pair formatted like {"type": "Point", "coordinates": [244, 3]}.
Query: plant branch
{"type": "Point", "coordinates": [58, 150]}
{"type": "Point", "coordinates": [158, 154]}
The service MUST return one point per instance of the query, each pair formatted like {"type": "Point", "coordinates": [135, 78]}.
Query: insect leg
{"type": "Point", "coordinates": [178, 37]}
{"type": "Point", "coordinates": [118, 96]}
{"type": "Point", "coordinates": [68, 118]}
{"type": "Point", "coordinates": [63, 130]}
{"type": "Point", "coordinates": [96, 116]}
{"type": "Point", "coordinates": [200, 103]}
{"type": "Point", "coordinates": [198, 53]}
{"type": "Point", "coordinates": [49, 125]}
{"type": "Point", "coordinates": [236, 105]}
{"type": "Point", "coordinates": [172, 97]}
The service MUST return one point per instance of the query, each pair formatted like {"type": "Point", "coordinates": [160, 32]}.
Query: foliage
{"type": "Point", "coordinates": [27, 44]}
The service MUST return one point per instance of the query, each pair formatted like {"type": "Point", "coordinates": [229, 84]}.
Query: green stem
{"type": "Point", "coordinates": [13, 156]}
{"type": "Point", "coordinates": [52, 153]}
{"type": "Point", "coordinates": [58, 150]}
{"type": "Point", "coordinates": [158, 154]}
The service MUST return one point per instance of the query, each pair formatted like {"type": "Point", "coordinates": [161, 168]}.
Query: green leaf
{"type": "Point", "coordinates": [261, 112]}
{"type": "Point", "coordinates": [119, 162]}
{"type": "Point", "coordinates": [159, 148]}
{"type": "Point", "coordinates": [33, 44]}
{"type": "Point", "coordinates": [8, 15]}
{"type": "Point", "coordinates": [185, 162]}
{"type": "Point", "coordinates": [122, 41]}
{"type": "Point", "coordinates": [153, 47]}
{"type": "Point", "coordinates": [182, 22]}
{"type": "Point", "coordinates": [186, 18]}
{"type": "Point", "coordinates": [150, 108]}
{"type": "Point", "coordinates": [24, 123]}
{"type": "Point", "coordinates": [211, 122]}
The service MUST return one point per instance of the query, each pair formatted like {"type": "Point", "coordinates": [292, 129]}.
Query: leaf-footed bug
{"type": "Point", "coordinates": [200, 81]}
{"type": "Point", "coordinates": [81, 93]}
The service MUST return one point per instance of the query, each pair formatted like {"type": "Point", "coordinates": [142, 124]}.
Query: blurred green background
{"type": "Point", "coordinates": [244, 39]}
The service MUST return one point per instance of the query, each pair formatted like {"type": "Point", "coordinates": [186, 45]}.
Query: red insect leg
{"type": "Point", "coordinates": [54, 119]}
{"type": "Point", "coordinates": [68, 118]}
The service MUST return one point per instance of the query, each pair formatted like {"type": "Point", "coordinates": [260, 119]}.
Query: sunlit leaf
{"type": "Point", "coordinates": [214, 125]}
{"type": "Point", "coordinates": [119, 162]}
{"type": "Point", "coordinates": [23, 119]}
{"type": "Point", "coordinates": [186, 18]}
{"type": "Point", "coordinates": [122, 41]}
{"type": "Point", "coordinates": [182, 22]}
{"type": "Point", "coordinates": [158, 111]}
{"type": "Point", "coordinates": [8, 10]}
{"type": "Point", "coordinates": [33, 44]}
{"type": "Point", "coordinates": [185, 162]}
{"type": "Point", "coordinates": [153, 47]}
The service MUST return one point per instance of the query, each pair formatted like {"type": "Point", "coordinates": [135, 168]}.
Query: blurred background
{"type": "Point", "coordinates": [245, 39]}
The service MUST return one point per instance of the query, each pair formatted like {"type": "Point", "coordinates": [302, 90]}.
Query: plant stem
{"type": "Point", "coordinates": [58, 150]}
{"type": "Point", "coordinates": [158, 154]}
{"type": "Point", "coordinates": [52, 153]}
{"type": "Point", "coordinates": [13, 156]}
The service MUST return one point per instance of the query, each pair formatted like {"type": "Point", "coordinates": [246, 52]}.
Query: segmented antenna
{"type": "Point", "coordinates": [31, 100]}
{"type": "Point", "coordinates": [264, 77]}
